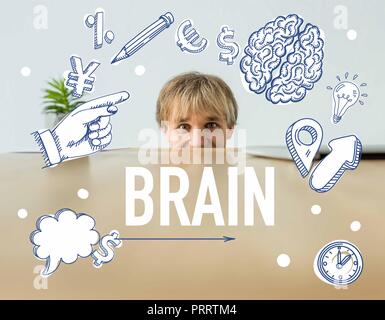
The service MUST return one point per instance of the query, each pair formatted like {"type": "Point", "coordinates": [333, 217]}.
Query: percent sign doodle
{"type": "Point", "coordinates": [97, 23]}
{"type": "Point", "coordinates": [224, 42]}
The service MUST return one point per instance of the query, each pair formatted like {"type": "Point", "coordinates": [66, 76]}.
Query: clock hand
{"type": "Point", "coordinates": [339, 257]}
{"type": "Point", "coordinates": [346, 259]}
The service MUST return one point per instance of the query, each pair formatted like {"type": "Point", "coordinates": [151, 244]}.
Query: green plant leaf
{"type": "Point", "coordinates": [58, 98]}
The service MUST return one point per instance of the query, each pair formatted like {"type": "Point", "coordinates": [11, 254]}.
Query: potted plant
{"type": "Point", "coordinates": [58, 101]}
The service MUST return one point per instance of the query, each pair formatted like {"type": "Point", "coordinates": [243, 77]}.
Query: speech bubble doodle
{"type": "Point", "coordinates": [63, 237]}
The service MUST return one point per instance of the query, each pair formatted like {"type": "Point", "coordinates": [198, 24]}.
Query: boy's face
{"type": "Point", "coordinates": [203, 130]}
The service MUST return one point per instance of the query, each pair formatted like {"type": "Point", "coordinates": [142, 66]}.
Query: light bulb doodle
{"type": "Point", "coordinates": [345, 95]}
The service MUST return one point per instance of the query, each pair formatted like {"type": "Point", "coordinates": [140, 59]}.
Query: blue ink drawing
{"type": "Point", "coordinates": [96, 22]}
{"type": "Point", "coordinates": [345, 95]}
{"type": "Point", "coordinates": [265, 50]}
{"type": "Point", "coordinates": [338, 263]}
{"type": "Point", "coordinates": [85, 130]}
{"type": "Point", "coordinates": [144, 37]}
{"type": "Point", "coordinates": [188, 39]}
{"type": "Point", "coordinates": [303, 152]}
{"type": "Point", "coordinates": [225, 40]}
{"type": "Point", "coordinates": [81, 79]}
{"type": "Point", "coordinates": [301, 70]}
{"type": "Point", "coordinates": [283, 61]}
{"type": "Point", "coordinates": [106, 252]}
{"type": "Point", "coordinates": [345, 155]}
{"type": "Point", "coordinates": [63, 237]}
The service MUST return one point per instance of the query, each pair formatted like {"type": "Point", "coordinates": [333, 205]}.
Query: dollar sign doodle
{"type": "Point", "coordinates": [106, 245]}
{"type": "Point", "coordinates": [224, 42]}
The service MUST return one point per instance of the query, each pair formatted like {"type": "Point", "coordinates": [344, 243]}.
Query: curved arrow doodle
{"type": "Point", "coordinates": [345, 155]}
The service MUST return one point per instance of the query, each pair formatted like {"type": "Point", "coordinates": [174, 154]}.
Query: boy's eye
{"type": "Point", "coordinates": [211, 125]}
{"type": "Point", "coordinates": [184, 126]}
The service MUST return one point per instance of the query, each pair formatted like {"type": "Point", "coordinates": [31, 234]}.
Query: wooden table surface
{"type": "Point", "coordinates": [242, 269]}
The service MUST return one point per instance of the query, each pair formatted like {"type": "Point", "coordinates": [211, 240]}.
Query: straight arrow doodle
{"type": "Point", "coordinates": [223, 238]}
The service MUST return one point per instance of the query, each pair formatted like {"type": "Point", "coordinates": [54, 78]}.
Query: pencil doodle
{"type": "Point", "coordinates": [144, 37]}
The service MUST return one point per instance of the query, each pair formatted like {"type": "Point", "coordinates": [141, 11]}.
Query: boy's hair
{"type": "Point", "coordinates": [194, 92]}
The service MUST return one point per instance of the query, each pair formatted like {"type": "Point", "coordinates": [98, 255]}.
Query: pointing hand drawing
{"type": "Point", "coordinates": [86, 130]}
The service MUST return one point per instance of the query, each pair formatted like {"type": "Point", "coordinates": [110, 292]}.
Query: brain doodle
{"type": "Point", "coordinates": [282, 60]}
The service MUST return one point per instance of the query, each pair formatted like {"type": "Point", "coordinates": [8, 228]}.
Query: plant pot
{"type": "Point", "coordinates": [52, 119]}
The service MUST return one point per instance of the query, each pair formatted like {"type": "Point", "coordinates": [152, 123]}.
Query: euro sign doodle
{"type": "Point", "coordinates": [187, 38]}
{"type": "Point", "coordinates": [224, 41]}
{"type": "Point", "coordinates": [106, 245]}
{"type": "Point", "coordinates": [81, 79]}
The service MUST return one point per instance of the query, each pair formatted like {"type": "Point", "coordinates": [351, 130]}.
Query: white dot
{"type": "Point", "coordinates": [355, 226]}
{"type": "Point", "coordinates": [140, 70]}
{"type": "Point", "coordinates": [83, 193]}
{"type": "Point", "coordinates": [351, 34]}
{"type": "Point", "coordinates": [283, 260]}
{"type": "Point", "coordinates": [90, 20]}
{"type": "Point", "coordinates": [25, 71]}
{"type": "Point", "coordinates": [316, 209]}
{"type": "Point", "coordinates": [109, 36]}
{"type": "Point", "coordinates": [22, 213]}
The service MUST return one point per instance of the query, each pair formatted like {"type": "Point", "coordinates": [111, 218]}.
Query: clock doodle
{"type": "Point", "coordinates": [338, 263]}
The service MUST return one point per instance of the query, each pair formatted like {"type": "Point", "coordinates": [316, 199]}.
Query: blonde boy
{"type": "Point", "coordinates": [196, 110]}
